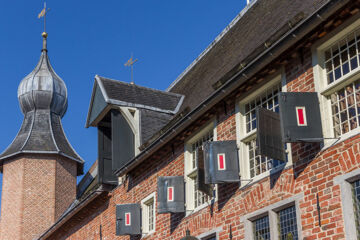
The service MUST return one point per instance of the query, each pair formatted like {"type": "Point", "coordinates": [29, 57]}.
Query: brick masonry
{"type": "Point", "coordinates": [312, 173]}
{"type": "Point", "coordinates": [36, 191]}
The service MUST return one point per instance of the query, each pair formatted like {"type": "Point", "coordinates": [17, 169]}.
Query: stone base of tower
{"type": "Point", "coordinates": [37, 189]}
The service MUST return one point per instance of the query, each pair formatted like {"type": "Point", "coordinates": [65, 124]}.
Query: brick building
{"type": "Point", "coordinates": [257, 139]}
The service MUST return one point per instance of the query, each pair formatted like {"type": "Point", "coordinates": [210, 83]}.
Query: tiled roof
{"type": "Point", "coordinates": [132, 95]}
{"type": "Point", "coordinates": [245, 34]}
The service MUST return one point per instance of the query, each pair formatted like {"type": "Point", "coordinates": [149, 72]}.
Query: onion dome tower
{"type": "Point", "coordinates": [43, 100]}
{"type": "Point", "coordinates": [40, 166]}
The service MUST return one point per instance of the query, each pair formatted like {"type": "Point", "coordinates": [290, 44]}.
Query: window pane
{"type": "Point", "coordinates": [287, 224]}
{"type": "Point", "coordinates": [269, 100]}
{"type": "Point", "coordinates": [260, 164]}
{"type": "Point", "coordinates": [150, 215]}
{"type": "Point", "coordinates": [262, 228]}
{"type": "Point", "coordinates": [345, 107]}
{"type": "Point", "coordinates": [356, 191]}
{"type": "Point", "coordinates": [198, 144]}
{"type": "Point", "coordinates": [341, 58]}
{"type": "Point", "coordinates": [199, 196]}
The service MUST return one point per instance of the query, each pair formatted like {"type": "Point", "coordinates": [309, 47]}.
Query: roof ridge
{"type": "Point", "coordinates": [212, 44]}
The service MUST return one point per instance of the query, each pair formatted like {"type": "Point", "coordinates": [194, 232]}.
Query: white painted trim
{"type": "Point", "coordinates": [345, 182]}
{"type": "Point", "coordinates": [144, 214]}
{"type": "Point", "coordinates": [134, 123]}
{"type": "Point", "coordinates": [242, 137]}
{"type": "Point", "coordinates": [223, 163]}
{"type": "Point", "coordinates": [189, 171]}
{"type": "Point", "coordinates": [320, 80]}
{"type": "Point", "coordinates": [168, 194]}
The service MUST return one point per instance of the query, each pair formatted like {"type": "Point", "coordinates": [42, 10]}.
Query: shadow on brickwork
{"type": "Point", "coordinates": [135, 237]}
{"type": "Point", "coordinates": [225, 192]}
{"type": "Point", "coordinates": [274, 177]}
{"type": "Point", "coordinates": [145, 170]}
{"type": "Point", "coordinates": [302, 155]}
{"type": "Point", "coordinates": [175, 220]}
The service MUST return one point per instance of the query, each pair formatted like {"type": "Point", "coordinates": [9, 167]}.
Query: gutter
{"type": "Point", "coordinates": [282, 44]}
{"type": "Point", "coordinates": [72, 212]}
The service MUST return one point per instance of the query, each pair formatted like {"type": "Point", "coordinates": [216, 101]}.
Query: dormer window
{"type": "Point", "coordinates": [127, 116]}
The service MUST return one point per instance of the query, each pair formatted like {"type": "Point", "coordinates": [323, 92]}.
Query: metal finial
{"type": "Point", "coordinates": [43, 13]}
{"type": "Point", "coordinates": [44, 35]}
{"type": "Point", "coordinates": [130, 63]}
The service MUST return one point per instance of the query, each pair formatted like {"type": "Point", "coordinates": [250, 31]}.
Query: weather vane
{"type": "Point", "coordinates": [43, 14]}
{"type": "Point", "coordinates": [130, 63]}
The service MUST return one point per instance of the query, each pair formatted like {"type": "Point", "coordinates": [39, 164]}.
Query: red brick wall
{"type": "Point", "coordinates": [65, 185]}
{"type": "Point", "coordinates": [32, 186]}
{"type": "Point", "coordinates": [12, 197]}
{"type": "Point", "coordinates": [312, 173]}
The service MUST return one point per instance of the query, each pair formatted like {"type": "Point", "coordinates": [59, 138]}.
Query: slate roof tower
{"type": "Point", "coordinates": [40, 166]}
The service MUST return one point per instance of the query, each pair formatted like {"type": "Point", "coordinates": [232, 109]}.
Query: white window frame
{"type": "Point", "coordinates": [345, 181]}
{"type": "Point", "coordinates": [324, 89]}
{"type": "Point", "coordinates": [272, 211]}
{"type": "Point", "coordinates": [243, 137]}
{"type": "Point", "coordinates": [189, 170]}
{"type": "Point", "coordinates": [145, 216]}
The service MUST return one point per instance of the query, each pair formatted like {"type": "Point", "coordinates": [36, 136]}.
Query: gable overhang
{"type": "Point", "coordinates": [103, 104]}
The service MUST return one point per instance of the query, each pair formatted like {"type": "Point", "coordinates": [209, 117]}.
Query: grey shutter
{"type": "Point", "coordinates": [221, 162]}
{"type": "Point", "coordinates": [177, 204]}
{"type": "Point", "coordinates": [123, 140]}
{"type": "Point", "coordinates": [291, 129]}
{"type": "Point", "coordinates": [200, 177]}
{"type": "Point", "coordinates": [269, 137]}
{"type": "Point", "coordinates": [135, 219]}
{"type": "Point", "coordinates": [106, 175]}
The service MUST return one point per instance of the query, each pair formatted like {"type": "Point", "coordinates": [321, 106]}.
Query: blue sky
{"type": "Point", "coordinates": [97, 37]}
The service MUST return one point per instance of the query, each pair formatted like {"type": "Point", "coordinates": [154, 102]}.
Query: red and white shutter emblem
{"type": "Point", "coordinates": [301, 116]}
{"type": "Point", "coordinates": [170, 194]}
{"type": "Point", "coordinates": [221, 161]}
{"type": "Point", "coordinates": [127, 219]}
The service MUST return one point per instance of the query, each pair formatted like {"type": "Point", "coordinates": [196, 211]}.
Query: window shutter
{"type": "Point", "coordinates": [171, 194]}
{"type": "Point", "coordinates": [269, 138]}
{"type": "Point", "coordinates": [106, 175]}
{"type": "Point", "coordinates": [200, 177]}
{"type": "Point", "coordinates": [128, 219]}
{"type": "Point", "coordinates": [123, 140]}
{"type": "Point", "coordinates": [300, 117]}
{"type": "Point", "coordinates": [221, 162]}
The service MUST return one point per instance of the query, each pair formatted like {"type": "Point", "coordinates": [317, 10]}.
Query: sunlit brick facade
{"type": "Point", "coordinates": [313, 195]}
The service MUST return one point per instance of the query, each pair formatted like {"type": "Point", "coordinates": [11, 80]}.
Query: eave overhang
{"type": "Point", "coordinates": [245, 72]}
